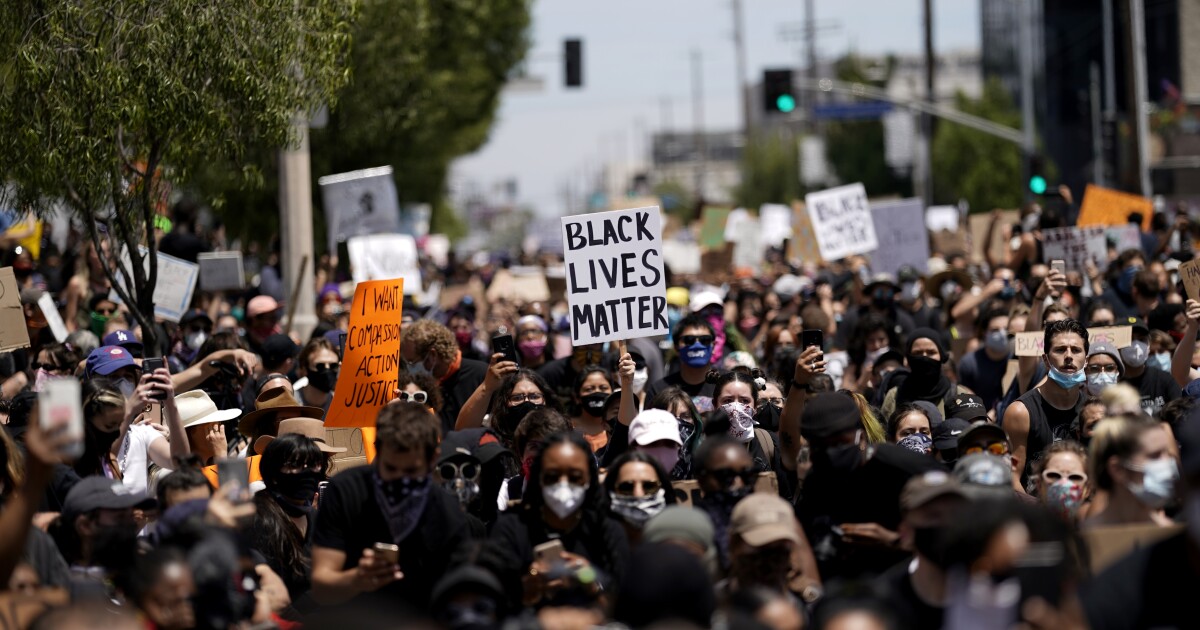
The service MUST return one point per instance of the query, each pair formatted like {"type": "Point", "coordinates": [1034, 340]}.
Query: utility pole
{"type": "Point", "coordinates": [295, 228]}
{"type": "Point", "coordinates": [1137, 42]}
{"type": "Point", "coordinates": [1110, 93]}
{"type": "Point", "coordinates": [698, 121]}
{"type": "Point", "coordinates": [810, 42]}
{"type": "Point", "coordinates": [1097, 133]}
{"type": "Point", "coordinates": [1028, 117]}
{"type": "Point", "coordinates": [926, 184]}
{"type": "Point", "coordinates": [739, 45]}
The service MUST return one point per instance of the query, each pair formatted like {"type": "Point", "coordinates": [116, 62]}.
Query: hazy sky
{"type": "Point", "coordinates": [637, 55]}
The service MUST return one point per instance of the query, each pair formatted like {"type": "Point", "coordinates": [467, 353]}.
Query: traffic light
{"type": "Point", "coordinates": [1037, 175]}
{"type": "Point", "coordinates": [779, 96]}
{"type": "Point", "coordinates": [573, 62]}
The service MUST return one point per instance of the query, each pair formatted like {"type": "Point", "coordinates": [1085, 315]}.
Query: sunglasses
{"type": "Point", "coordinates": [992, 448]}
{"type": "Point", "coordinates": [417, 397]}
{"type": "Point", "coordinates": [691, 340]}
{"type": "Point", "coordinates": [725, 476]}
{"type": "Point", "coordinates": [325, 367]}
{"type": "Point", "coordinates": [106, 311]}
{"type": "Point", "coordinates": [1053, 476]}
{"type": "Point", "coordinates": [627, 488]}
{"type": "Point", "coordinates": [467, 470]}
{"type": "Point", "coordinates": [50, 367]}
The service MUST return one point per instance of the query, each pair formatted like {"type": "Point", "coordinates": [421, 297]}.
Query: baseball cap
{"type": "Point", "coordinates": [977, 429]}
{"type": "Point", "coordinates": [279, 348]}
{"type": "Point", "coordinates": [1136, 322]}
{"type": "Point", "coordinates": [124, 338]}
{"type": "Point", "coordinates": [967, 407]}
{"type": "Point", "coordinates": [922, 489]}
{"type": "Point", "coordinates": [1103, 347]}
{"type": "Point", "coordinates": [457, 444]}
{"type": "Point", "coordinates": [788, 285]}
{"type": "Point", "coordinates": [680, 522]}
{"type": "Point", "coordinates": [984, 476]}
{"type": "Point", "coordinates": [701, 299]}
{"type": "Point", "coordinates": [653, 425]}
{"type": "Point", "coordinates": [195, 408]}
{"type": "Point", "coordinates": [829, 413]}
{"type": "Point", "coordinates": [195, 315]}
{"type": "Point", "coordinates": [101, 493]}
{"type": "Point", "coordinates": [261, 304]}
{"type": "Point", "coordinates": [677, 296]}
{"type": "Point", "coordinates": [763, 518]}
{"type": "Point", "coordinates": [946, 434]}
{"type": "Point", "coordinates": [108, 359]}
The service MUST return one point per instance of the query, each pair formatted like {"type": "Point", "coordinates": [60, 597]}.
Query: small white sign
{"type": "Point", "coordinates": [53, 318]}
{"type": "Point", "coordinates": [383, 257]}
{"type": "Point", "coordinates": [1076, 246]}
{"type": "Point", "coordinates": [359, 203]}
{"type": "Point", "coordinates": [902, 236]}
{"type": "Point", "coordinates": [842, 221]}
{"type": "Point", "coordinates": [221, 271]}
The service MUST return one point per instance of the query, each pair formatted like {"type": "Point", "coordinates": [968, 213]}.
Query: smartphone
{"type": "Point", "coordinates": [341, 345]}
{"type": "Point", "coordinates": [1059, 265]}
{"type": "Point", "coordinates": [233, 470]}
{"type": "Point", "coordinates": [59, 407]}
{"type": "Point", "coordinates": [503, 343]}
{"type": "Point", "coordinates": [812, 337]}
{"type": "Point", "coordinates": [389, 552]}
{"type": "Point", "coordinates": [148, 367]}
{"type": "Point", "coordinates": [549, 552]}
{"type": "Point", "coordinates": [321, 490]}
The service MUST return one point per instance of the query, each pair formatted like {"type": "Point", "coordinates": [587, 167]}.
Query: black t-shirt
{"type": "Point", "coordinates": [1157, 389]}
{"type": "Point", "coordinates": [983, 375]}
{"type": "Point", "coordinates": [702, 394]}
{"type": "Point", "coordinates": [351, 520]}
{"type": "Point", "coordinates": [458, 388]}
{"type": "Point", "coordinates": [1047, 424]}
{"type": "Point", "coordinates": [183, 245]}
{"type": "Point", "coordinates": [1153, 587]}
{"type": "Point", "coordinates": [912, 613]}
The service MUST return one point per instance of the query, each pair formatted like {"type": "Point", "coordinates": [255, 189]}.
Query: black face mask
{"type": "Point", "coordinates": [114, 547]}
{"type": "Point", "coordinates": [763, 567]}
{"type": "Point", "coordinates": [841, 458]}
{"type": "Point", "coordinates": [930, 542]}
{"type": "Point", "coordinates": [323, 380]}
{"type": "Point", "coordinates": [98, 441]}
{"type": "Point", "coordinates": [727, 498]}
{"type": "Point", "coordinates": [882, 300]}
{"type": "Point", "coordinates": [513, 416]}
{"type": "Point", "coordinates": [767, 417]}
{"type": "Point", "coordinates": [924, 367]}
{"type": "Point", "coordinates": [301, 486]}
{"type": "Point", "coordinates": [593, 404]}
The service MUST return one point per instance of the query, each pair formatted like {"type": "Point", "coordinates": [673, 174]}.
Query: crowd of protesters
{"type": "Point", "coordinates": [813, 446]}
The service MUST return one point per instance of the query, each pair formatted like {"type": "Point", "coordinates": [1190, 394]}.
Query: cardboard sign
{"type": "Point", "coordinates": [13, 333]}
{"type": "Point", "coordinates": [1125, 237]}
{"type": "Point", "coordinates": [519, 284]}
{"type": "Point", "coordinates": [173, 290]}
{"type": "Point", "coordinates": [221, 271]}
{"type": "Point", "coordinates": [747, 244]}
{"type": "Point", "coordinates": [1076, 246]}
{"type": "Point", "coordinates": [977, 224]}
{"type": "Point", "coordinates": [1104, 206]}
{"type": "Point", "coordinates": [371, 360]}
{"type": "Point", "coordinates": [842, 221]}
{"type": "Point", "coordinates": [902, 236]}
{"type": "Point", "coordinates": [687, 491]}
{"type": "Point", "coordinates": [803, 244]}
{"type": "Point", "coordinates": [775, 222]}
{"type": "Point", "coordinates": [1108, 544]}
{"type": "Point", "coordinates": [616, 284]}
{"type": "Point", "coordinates": [352, 441]}
{"type": "Point", "coordinates": [384, 256]}
{"type": "Point", "coordinates": [53, 318]}
{"type": "Point", "coordinates": [717, 266]}
{"type": "Point", "coordinates": [1189, 272]}
{"type": "Point", "coordinates": [360, 203]}
{"type": "Point", "coordinates": [1029, 344]}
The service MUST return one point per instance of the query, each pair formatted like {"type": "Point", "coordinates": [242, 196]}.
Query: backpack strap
{"type": "Point", "coordinates": [767, 444]}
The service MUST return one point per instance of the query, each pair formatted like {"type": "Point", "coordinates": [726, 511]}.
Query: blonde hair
{"type": "Point", "coordinates": [1121, 399]}
{"type": "Point", "coordinates": [876, 432]}
{"type": "Point", "coordinates": [15, 470]}
{"type": "Point", "coordinates": [426, 335]}
{"type": "Point", "coordinates": [1115, 437]}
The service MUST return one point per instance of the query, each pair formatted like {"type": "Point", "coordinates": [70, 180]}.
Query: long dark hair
{"type": "Point", "coordinates": [499, 404]}
{"type": "Point", "coordinates": [667, 399]}
{"type": "Point", "coordinates": [614, 471]}
{"type": "Point", "coordinates": [595, 502]}
{"type": "Point", "coordinates": [98, 396]}
{"type": "Point", "coordinates": [719, 380]}
{"type": "Point", "coordinates": [275, 535]}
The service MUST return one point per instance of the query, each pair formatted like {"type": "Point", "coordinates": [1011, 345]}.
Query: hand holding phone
{"type": "Point", "coordinates": [388, 552]}
{"type": "Point", "coordinates": [235, 472]}
{"type": "Point", "coordinates": [149, 366]}
{"type": "Point", "coordinates": [503, 343]}
{"type": "Point", "coordinates": [60, 410]}
{"type": "Point", "coordinates": [812, 337]}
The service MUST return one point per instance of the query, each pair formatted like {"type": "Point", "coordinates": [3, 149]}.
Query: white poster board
{"type": "Point", "coordinates": [939, 218]}
{"type": "Point", "coordinates": [173, 291]}
{"type": "Point", "coordinates": [1125, 237]}
{"type": "Point", "coordinates": [383, 257]}
{"type": "Point", "coordinates": [747, 244]}
{"type": "Point", "coordinates": [842, 221]}
{"type": "Point", "coordinates": [616, 285]}
{"type": "Point", "coordinates": [360, 203]}
{"type": "Point", "coordinates": [903, 239]}
{"type": "Point", "coordinates": [1076, 246]}
{"type": "Point", "coordinates": [53, 319]}
{"type": "Point", "coordinates": [682, 257]}
{"type": "Point", "coordinates": [221, 271]}
{"type": "Point", "coordinates": [775, 223]}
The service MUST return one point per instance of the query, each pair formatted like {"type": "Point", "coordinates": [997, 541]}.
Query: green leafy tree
{"type": "Point", "coordinates": [102, 102]}
{"type": "Point", "coordinates": [855, 148]}
{"type": "Point", "coordinates": [972, 165]}
{"type": "Point", "coordinates": [770, 171]}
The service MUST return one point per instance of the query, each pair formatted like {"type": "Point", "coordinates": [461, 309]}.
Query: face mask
{"type": "Point", "coordinates": [762, 567]}
{"type": "Point", "coordinates": [1158, 483]}
{"type": "Point", "coordinates": [697, 355]}
{"type": "Point", "coordinates": [1135, 354]}
{"type": "Point", "coordinates": [948, 290]}
{"type": "Point", "coordinates": [874, 355]}
{"type": "Point", "coordinates": [418, 369]}
{"type": "Point", "coordinates": [1160, 360]}
{"type": "Point", "coordinates": [465, 489]}
{"type": "Point", "coordinates": [1068, 381]}
{"type": "Point", "coordinates": [917, 443]}
{"type": "Point", "coordinates": [930, 542]}
{"type": "Point", "coordinates": [924, 367]}
{"type": "Point", "coordinates": [1125, 280]}
{"type": "Point", "coordinates": [301, 486]}
{"type": "Point", "coordinates": [262, 332]}
{"type": "Point", "coordinates": [126, 386]}
{"type": "Point", "coordinates": [882, 299]}
{"type": "Point", "coordinates": [194, 340]}
{"type": "Point", "coordinates": [512, 416]}
{"type": "Point", "coordinates": [637, 510]}
{"type": "Point", "coordinates": [845, 457]}
{"type": "Point", "coordinates": [563, 498]}
{"type": "Point", "coordinates": [668, 456]}
{"type": "Point", "coordinates": [402, 488]}
{"type": "Point", "coordinates": [463, 337]}
{"type": "Point", "coordinates": [97, 322]}
{"type": "Point", "coordinates": [639, 380]}
{"type": "Point", "coordinates": [686, 430]}
{"type": "Point", "coordinates": [1097, 383]}
{"type": "Point", "coordinates": [323, 380]}
{"type": "Point", "coordinates": [768, 417]}
{"type": "Point", "coordinates": [480, 615]}
{"type": "Point", "coordinates": [909, 292]}
{"type": "Point", "coordinates": [997, 341]}
{"type": "Point", "coordinates": [1064, 498]}
{"type": "Point", "coordinates": [593, 404]}
{"type": "Point", "coordinates": [402, 501]}
{"type": "Point", "coordinates": [741, 421]}
{"type": "Point", "coordinates": [727, 498]}
{"type": "Point", "coordinates": [531, 349]}
{"type": "Point", "coordinates": [43, 377]}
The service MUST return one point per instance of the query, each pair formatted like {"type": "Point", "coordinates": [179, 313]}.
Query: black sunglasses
{"type": "Point", "coordinates": [689, 340]}
{"type": "Point", "coordinates": [725, 476]}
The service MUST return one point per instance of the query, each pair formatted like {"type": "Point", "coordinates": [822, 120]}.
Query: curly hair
{"type": "Point", "coordinates": [427, 336]}
{"type": "Point", "coordinates": [427, 383]}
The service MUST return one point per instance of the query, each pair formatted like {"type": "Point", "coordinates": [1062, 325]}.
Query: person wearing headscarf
{"type": "Point", "coordinates": [925, 357]}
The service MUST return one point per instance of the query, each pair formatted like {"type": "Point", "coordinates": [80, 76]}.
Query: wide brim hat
{"type": "Point", "coordinates": [270, 404]}
{"type": "Point", "coordinates": [308, 427]}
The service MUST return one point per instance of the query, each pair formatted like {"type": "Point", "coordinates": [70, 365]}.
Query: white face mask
{"type": "Point", "coordinates": [741, 421]}
{"type": "Point", "coordinates": [194, 340]}
{"type": "Point", "coordinates": [1158, 482]}
{"type": "Point", "coordinates": [126, 386]}
{"type": "Point", "coordinates": [639, 380]}
{"type": "Point", "coordinates": [874, 355]}
{"type": "Point", "coordinates": [637, 510]}
{"type": "Point", "coordinates": [563, 498]}
{"type": "Point", "coordinates": [1097, 383]}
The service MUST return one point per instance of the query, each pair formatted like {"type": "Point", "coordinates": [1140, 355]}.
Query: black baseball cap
{"type": "Point", "coordinates": [946, 434]}
{"type": "Point", "coordinates": [967, 407]}
{"type": "Point", "coordinates": [278, 348]}
{"type": "Point", "coordinates": [101, 493]}
{"type": "Point", "coordinates": [828, 414]}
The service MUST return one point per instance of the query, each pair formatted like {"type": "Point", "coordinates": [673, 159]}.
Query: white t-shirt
{"type": "Point", "coordinates": [134, 457]}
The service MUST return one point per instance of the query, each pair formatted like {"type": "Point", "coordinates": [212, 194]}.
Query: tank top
{"type": "Point", "coordinates": [1047, 424]}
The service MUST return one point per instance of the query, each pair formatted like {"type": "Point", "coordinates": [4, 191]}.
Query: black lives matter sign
{"type": "Point", "coordinates": [616, 285]}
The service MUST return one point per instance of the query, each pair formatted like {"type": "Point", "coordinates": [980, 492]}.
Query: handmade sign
{"type": "Point", "coordinates": [383, 256]}
{"type": "Point", "coordinates": [682, 257]}
{"type": "Point", "coordinates": [221, 271]}
{"type": "Point", "coordinates": [359, 203]}
{"type": "Point", "coordinates": [1125, 237]}
{"type": "Point", "coordinates": [775, 223]}
{"type": "Point", "coordinates": [616, 284]}
{"type": "Point", "coordinates": [371, 359]}
{"type": "Point", "coordinates": [175, 285]}
{"type": "Point", "coordinates": [902, 236]}
{"type": "Point", "coordinates": [999, 245]}
{"type": "Point", "coordinates": [842, 221]}
{"type": "Point", "coordinates": [1076, 246]}
{"type": "Point", "coordinates": [1104, 206]}
{"type": "Point", "coordinates": [1189, 272]}
{"type": "Point", "coordinates": [13, 333]}
{"type": "Point", "coordinates": [519, 284]}
{"type": "Point", "coordinates": [1029, 344]}
{"type": "Point", "coordinates": [803, 244]}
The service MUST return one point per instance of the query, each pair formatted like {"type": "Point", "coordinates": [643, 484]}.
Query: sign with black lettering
{"type": "Point", "coordinates": [842, 221]}
{"type": "Point", "coordinates": [616, 285]}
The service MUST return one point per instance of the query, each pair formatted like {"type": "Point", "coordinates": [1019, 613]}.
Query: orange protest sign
{"type": "Point", "coordinates": [371, 360]}
{"type": "Point", "coordinates": [1105, 206]}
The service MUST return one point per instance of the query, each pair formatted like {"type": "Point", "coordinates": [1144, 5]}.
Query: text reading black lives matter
{"type": "Point", "coordinates": [604, 287]}
{"type": "Point", "coordinates": [375, 347]}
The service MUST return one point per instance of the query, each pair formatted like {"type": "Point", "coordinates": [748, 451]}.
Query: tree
{"type": "Point", "coordinates": [855, 148]}
{"type": "Point", "coordinates": [770, 171]}
{"type": "Point", "coordinates": [103, 102]}
{"type": "Point", "coordinates": [972, 165]}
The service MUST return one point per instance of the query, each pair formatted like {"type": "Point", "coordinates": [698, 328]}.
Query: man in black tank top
{"type": "Point", "coordinates": [1044, 414]}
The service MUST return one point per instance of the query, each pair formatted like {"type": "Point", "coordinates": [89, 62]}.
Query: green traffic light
{"type": "Point", "coordinates": [1037, 184]}
{"type": "Point", "coordinates": [785, 103]}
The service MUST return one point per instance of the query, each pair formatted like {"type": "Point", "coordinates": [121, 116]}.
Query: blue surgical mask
{"type": "Point", "coordinates": [1160, 360]}
{"type": "Point", "coordinates": [1068, 381]}
{"type": "Point", "coordinates": [696, 355]}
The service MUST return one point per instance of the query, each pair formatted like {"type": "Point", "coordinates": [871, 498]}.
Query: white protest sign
{"type": "Point", "coordinates": [53, 319]}
{"type": "Point", "coordinates": [747, 244]}
{"type": "Point", "coordinates": [1029, 344]}
{"type": "Point", "coordinates": [384, 257]}
{"type": "Point", "coordinates": [1125, 237]}
{"type": "Point", "coordinates": [616, 285]}
{"type": "Point", "coordinates": [360, 203]}
{"type": "Point", "coordinates": [221, 271]}
{"type": "Point", "coordinates": [682, 257]}
{"type": "Point", "coordinates": [175, 285]}
{"type": "Point", "coordinates": [775, 222]}
{"type": "Point", "coordinates": [939, 218]}
{"type": "Point", "coordinates": [1076, 246]}
{"type": "Point", "coordinates": [902, 236]}
{"type": "Point", "coordinates": [841, 219]}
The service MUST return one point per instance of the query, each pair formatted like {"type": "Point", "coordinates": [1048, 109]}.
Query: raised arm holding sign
{"type": "Point", "coordinates": [371, 360]}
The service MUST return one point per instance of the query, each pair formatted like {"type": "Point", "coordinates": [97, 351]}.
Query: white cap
{"type": "Point", "coordinates": [195, 407]}
{"type": "Point", "coordinates": [701, 299]}
{"type": "Point", "coordinates": [653, 425]}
